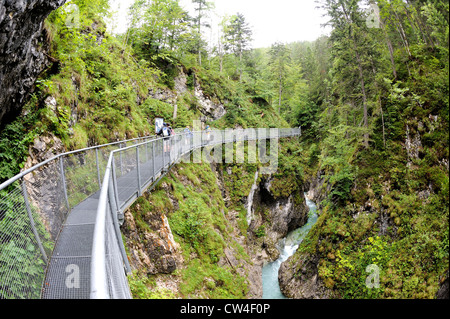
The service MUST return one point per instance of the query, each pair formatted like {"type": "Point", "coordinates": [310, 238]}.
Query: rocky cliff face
{"type": "Point", "coordinates": [23, 51]}
{"type": "Point", "coordinates": [298, 275]}
{"type": "Point", "coordinates": [153, 249]}
{"type": "Point", "coordinates": [276, 217]}
{"type": "Point", "coordinates": [210, 111]}
{"type": "Point", "coordinates": [44, 186]}
{"type": "Point", "coordinates": [299, 279]}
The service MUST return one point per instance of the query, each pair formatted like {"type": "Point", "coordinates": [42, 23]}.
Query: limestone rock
{"type": "Point", "coordinates": [299, 279]}
{"type": "Point", "coordinates": [22, 55]}
{"type": "Point", "coordinates": [413, 145]}
{"type": "Point", "coordinates": [208, 108]}
{"type": "Point", "coordinates": [154, 250]}
{"type": "Point", "coordinates": [44, 185]}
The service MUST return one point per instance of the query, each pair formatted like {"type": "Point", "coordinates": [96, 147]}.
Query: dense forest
{"type": "Point", "coordinates": [372, 99]}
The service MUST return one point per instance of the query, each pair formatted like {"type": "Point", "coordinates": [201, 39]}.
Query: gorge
{"type": "Point", "coordinates": [373, 155]}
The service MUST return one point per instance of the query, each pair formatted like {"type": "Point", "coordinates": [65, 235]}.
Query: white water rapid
{"type": "Point", "coordinates": [287, 247]}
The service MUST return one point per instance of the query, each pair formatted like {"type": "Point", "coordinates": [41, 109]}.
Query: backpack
{"type": "Point", "coordinates": [165, 131]}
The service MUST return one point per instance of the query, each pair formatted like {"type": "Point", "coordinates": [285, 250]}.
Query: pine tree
{"type": "Point", "coordinates": [202, 9]}
{"type": "Point", "coordinates": [350, 50]}
{"type": "Point", "coordinates": [279, 60]}
{"type": "Point", "coordinates": [238, 36]}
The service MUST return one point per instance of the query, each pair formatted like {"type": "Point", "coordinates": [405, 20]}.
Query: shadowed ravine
{"type": "Point", "coordinates": [287, 247]}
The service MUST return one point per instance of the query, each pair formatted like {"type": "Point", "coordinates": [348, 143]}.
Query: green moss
{"type": "Point", "coordinates": [143, 287]}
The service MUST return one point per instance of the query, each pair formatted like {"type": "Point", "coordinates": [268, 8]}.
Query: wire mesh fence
{"type": "Point", "coordinates": [22, 263]}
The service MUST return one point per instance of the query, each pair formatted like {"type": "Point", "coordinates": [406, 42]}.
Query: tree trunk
{"type": "Point", "coordinates": [220, 55]}
{"type": "Point", "coordinates": [382, 121]}
{"type": "Point", "coordinates": [199, 34]}
{"type": "Point", "coordinates": [391, 50]}
{"type": "Point", "coordinates": [240, 65]}
{"type": "Point", "coordinates": [363, 89]}
{"type": "Point", "coordinates": [175, 111]}
{"type": "Point", "coordinates": [361, 76]}
{"type": "Point", "coordinates": [402, 32]}
{"type": "Point", "coordinates": [280, 92]}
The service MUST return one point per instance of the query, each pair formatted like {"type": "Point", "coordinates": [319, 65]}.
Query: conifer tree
{"type": "Point", "coordinates": [202, 8]}
{"type": "Point", "coordinates": [238, 36]}
{"type": "Point", "coordinates": [279, 60]}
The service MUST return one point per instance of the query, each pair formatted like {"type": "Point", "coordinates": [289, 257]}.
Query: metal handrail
{"type": "Point", "coordinates": [99, 289]}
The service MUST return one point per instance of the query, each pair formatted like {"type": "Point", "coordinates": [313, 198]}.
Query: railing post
{"type": "Point", "coordinates": [163, 153]}
{"type": "Point", "coordinates": [116, 192]}
{"type": "Point", "coordinates": [170, 151]}
{"type": "Point", "coordinates": [121, 160]}
{"type": "Point", "coordinates": [98, 168]}
{"type": "Point", "coordinates": [116, 222]}
{"type": "Point", "coordinates": [138, 164]}
{"type": "Point", "coordinates": [33, 226]}
{"type": "Point", "coordinates": [153, 159]}
{"type": "Point", "coordinates": [63, 180]}
{"type": "Point", "coordinates": [180, 145]}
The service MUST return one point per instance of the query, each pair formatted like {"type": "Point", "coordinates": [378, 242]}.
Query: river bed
{"type": "Point", "coordinates": [287, 247]}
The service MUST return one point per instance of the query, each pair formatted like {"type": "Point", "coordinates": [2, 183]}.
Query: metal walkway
{"type": "Point", "coordinates": [60, 220]}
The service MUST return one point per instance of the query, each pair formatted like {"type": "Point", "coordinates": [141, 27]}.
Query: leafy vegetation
{"type": "Point", "coordinates": [385, 203]}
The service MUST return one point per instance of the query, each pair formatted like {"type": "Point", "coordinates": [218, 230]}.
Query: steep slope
{"type": "Point", "coordinates": [384, 208]}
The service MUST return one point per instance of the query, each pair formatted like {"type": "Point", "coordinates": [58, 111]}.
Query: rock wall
{"type": "Point", "coordinates": [210, 110]}
{"type": "Point", "coordinates": [298, 275]}
{"type": "Point", "coordinates": [23, 51]}
{"type": "Point", "coordinates": [276, 217]}
{"type": "Point", "coordinates": [299, 279]}
{"type": "Point", "coordinates": [153, 250]}
{"type": "Point", "coordinates": [44, 186]}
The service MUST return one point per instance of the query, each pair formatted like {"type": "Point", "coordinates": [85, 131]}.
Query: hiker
{"type": "Point", "coordinates": [187, 135]}
{"type": "Point", "coordinates": [160, 130]}
{"type": "Point", "coordinates": [208, 133]}
{"type": "Point", "coordinates": [166, 132]}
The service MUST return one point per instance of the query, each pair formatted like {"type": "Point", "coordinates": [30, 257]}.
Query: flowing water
{"type": "Point", "coordinates": [287, 247]}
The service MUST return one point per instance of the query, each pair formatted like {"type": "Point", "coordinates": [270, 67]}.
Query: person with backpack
{"type": "Point", "coordinates": [166, 132]}
{"type": "Point", "coordinates": [187, 135]}
{"type": "Point", "coordinates": [208, 134]}
{"type": "Point", "coordinates": [160, 130]}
